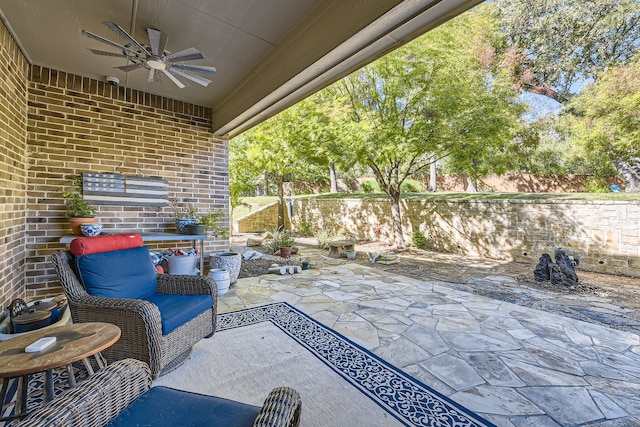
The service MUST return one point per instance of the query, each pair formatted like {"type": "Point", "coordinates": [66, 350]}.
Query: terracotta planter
{"type": "Point", "coordinates": [75, 224]}
{"type": "Point", "coordinates": [285, 251]}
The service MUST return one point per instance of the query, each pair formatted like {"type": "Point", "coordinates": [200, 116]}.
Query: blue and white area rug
{"type": "Point", "coordinates": [341, 383]}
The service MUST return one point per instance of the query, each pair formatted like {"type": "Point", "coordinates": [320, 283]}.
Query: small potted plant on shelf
{"type": "Point", "coordinates": [211, 223]}
{"type": "Point", "coordinates": [78, 210]}
{"type": "Point", "coordinates": [185, 215]}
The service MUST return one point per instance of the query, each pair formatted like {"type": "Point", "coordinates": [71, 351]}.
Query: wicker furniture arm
{"type": "Point", "coordinates": [96, 401]}
{"type": "Point", "coordinates": [140, 320]}
{"type": "Point", "coordinates": [187, 285]}
{"type": "Point", "coordinates": [282, 407]}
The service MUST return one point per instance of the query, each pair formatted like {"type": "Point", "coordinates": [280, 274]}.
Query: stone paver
{"type": "Point", "coordinates": [514, 365]}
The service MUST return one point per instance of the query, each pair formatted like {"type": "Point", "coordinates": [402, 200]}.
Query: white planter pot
{"type": "Point", "coordinates": [221, 277]}
{"type": "Point", "coordinates": [230, 261]}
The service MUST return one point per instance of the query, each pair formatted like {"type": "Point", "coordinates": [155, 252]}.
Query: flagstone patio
{"type": "Point", "coordinates": [514, 365]}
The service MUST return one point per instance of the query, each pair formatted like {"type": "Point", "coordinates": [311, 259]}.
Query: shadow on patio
{"type": "Point", "coordinates": [511, 364]}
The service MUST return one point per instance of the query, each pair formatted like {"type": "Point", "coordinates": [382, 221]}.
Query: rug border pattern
{"type": "Point", "coordinates": [405, 398]}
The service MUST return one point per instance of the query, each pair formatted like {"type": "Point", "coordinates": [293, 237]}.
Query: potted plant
{"type": "Point", "coordinates": [185, 215]}
{"type": "Point", "coordinates": [78, 210]}
{"type": "Point", "coordinates": [211, 223]}
{"type": "Point", "coordinates": [286, 242]}
{"type": "Point", "coordinates": [350, 253]}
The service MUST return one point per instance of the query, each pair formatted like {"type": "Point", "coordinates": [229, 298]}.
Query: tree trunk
{"type": "Point", "coordinates": [265, 189]}
{"type": "Point", "coordinates": [281, 207]}
{"type": "Point", "coordinates": [433, 183]}
{"type": "Point", "coordinates": [396, 219]}
{"type": "Point", "coordinates": [333, 178]}
{"type": "Point", "coordinates": [471, 187]}
{"type": "Point", "coordinates": [630, 173]}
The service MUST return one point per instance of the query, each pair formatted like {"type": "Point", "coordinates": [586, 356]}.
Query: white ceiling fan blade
{"type": "Point", "coordinates": [196, 68]}
{"type": "Point", "coordinates": [122, 33]}
{"type": "Point", "coordinates": [200, 80]}
{"type": "Point", "coordinates": [154, 76]}
{"type": "Point", "coordinates": [157, 40]}
{"type": "Point", "coordinates": [104, 53]}
{"type": "Point", "coordinates": [131, 67]}
{"type": "Point", "coordinates": [184, 55]}
{"type": "Point", "coordinates": [174, 79]}
{"type": "Point", "coordinates": [107, 41]}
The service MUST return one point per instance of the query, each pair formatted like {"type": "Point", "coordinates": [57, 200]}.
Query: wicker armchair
{"type": "Point", "coordinates": [104, 396]}
{"type": "Point", "coordinates": [139, 320]}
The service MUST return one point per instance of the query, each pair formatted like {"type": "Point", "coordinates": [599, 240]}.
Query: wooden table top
{"type": "Point", "coordinates": [73, 342]}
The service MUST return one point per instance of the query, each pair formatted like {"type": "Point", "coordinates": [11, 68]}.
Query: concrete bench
{"type": "Point", "coordinates": [337, 248]}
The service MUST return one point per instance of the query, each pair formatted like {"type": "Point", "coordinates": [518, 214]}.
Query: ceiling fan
{"type": "Point", "coordinates": [154, 57]}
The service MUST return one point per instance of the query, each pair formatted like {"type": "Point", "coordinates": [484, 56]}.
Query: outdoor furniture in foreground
{"type": "Point", "coordinates": [73, 343]}
{"type": "Point", "coordinates": [120, 395]}
{"type": "Point", "coordinates": [161, 316]}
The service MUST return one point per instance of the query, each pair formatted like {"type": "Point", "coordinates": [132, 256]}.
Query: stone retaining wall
{"type": "Point", "coordinates": [263, 219]}
{"type": "Point", "coordinates": [603, 235]}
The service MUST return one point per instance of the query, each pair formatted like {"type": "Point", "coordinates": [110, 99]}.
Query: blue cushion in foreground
{"type": "Point", "coordinates": [126, 273]}
{"type": "Point", "coordinates": [163, 406]}
{"type": "Point", "coordinates": [176, 310]}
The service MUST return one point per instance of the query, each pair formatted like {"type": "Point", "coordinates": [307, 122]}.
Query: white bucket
{"type": "Point", "coordinates": [221, 277]}
{"type": "Point", "coordinates": [185, 265]}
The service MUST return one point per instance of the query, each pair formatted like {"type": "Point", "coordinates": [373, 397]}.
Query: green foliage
{"type": "Point", "coordinates": [596, 185]}
{"type": "Point", "coordinates": [411, 186]}
{"type": "Point", "coordinates": [183, 210]}
{"type": "Point", "coordinates": [605, 123]}
{"type": "Point", "coordinates": [278, 240]}
{"type": "Point", "coordinates": [554, 44]}
{"type": "Point", "coordinates": [350, 181]}
{"type": "Point", "coordinates": [211, 222]}
{"type": "Point", "coordinates": [370, 187]}
{"type": "Point", "coordinates": [439, 96]}
{"type": "Point", "coordinates": [304, 229]}
{"type": "Point", "coordinates": [607, 113]}
{"type": "Point", "coordinates": [242, 174]}
{"type": "Point", "coordinates": [419, 241]}
{"type": "Point", "coordinates": [75, 205]}
{"type": "Point", "coordinates": [323, 237]}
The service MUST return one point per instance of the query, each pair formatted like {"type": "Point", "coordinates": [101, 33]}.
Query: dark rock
{"type": "Point", "coordinates": [561, 273]}
{"type": "Point", "coordinates": [542, 272]}
{"type": "Point", "coordinates": [567, 269]}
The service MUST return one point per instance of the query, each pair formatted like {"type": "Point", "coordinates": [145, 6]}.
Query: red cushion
{"type": "Point", "coordinates": [106, 243]}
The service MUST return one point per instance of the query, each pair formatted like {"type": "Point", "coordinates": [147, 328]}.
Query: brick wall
{"type": "Point", "coordinates": [13, 170]}
{"type": "Point", "coordinates": [604, 235]}
{"type": "Point", "coordinates": [76, 125]}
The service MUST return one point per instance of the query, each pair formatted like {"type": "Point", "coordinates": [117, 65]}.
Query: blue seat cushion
{"type": "Point", "coordinates": [126, 273]}
{"type": "Point", "coordinates": [176, 310]}
{"type": "Point", "coordinates": [163, 406]}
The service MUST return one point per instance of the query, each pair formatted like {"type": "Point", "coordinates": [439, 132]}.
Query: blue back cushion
{"type": "Point", "coordinates": [163, 406]}
{"type": "Point", "coordinates": [126, 273]}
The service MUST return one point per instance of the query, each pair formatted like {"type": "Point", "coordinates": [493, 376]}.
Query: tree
{"type": "Point", "coordinates": [437, 96]}
{"type": "Point", "coordinates": [281, 148]}
{"type": "Point", "coordinates": [242, 175]}
{"type": "Point", "coordinates": [554, 46]}
{"type": "Point", "coordinates": [327, 126]}
{"type": "Point", "coordinates": [606, 120]}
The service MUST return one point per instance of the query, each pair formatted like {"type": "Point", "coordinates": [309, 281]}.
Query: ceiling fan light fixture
{"type": "Point", "coordinates": [154, 57]}
{"type": "Point", "coordinates": [156, 64]}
